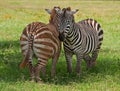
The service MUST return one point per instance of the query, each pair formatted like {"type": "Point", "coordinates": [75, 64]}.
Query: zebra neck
{"type": "Point", "coordinates": [72, 33]}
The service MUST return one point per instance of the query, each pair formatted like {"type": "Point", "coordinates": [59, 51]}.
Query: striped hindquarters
{"type": "Point", "coordinates": [45, 45]}
{"type": "Point", "coordinates": [96, 26]}
{"type": "Point", "coordinates": [26, 41]}
{"type": "Point", "coordinates": [39, 40]}
{"type": "Point", "coordinates": [27, 36]}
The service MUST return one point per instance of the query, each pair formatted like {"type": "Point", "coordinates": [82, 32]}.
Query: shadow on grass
{"type": "Point", "coordinates": [11, 57]}
{"type": "Point", "coordinates": [9, 44]}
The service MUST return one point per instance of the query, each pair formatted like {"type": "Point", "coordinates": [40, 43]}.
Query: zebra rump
{"type": "Point", "coordinates": [96, 27]}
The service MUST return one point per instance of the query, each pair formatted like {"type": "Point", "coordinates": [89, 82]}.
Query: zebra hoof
{"type": "Point", "coordinates": [78, 75]}
{"type": "Point", "coordinates": [38, 80]}
{"type": "Point", "coordinates": [93, 63]}
{"type": "Point", "coordinates": [52, 76]}
{"type": "Point", "coordinates": [32, 80]}
{"type": "Point", "coordinates": [88, 65]}
{"type": "Point", "coordinates": [69, 70]}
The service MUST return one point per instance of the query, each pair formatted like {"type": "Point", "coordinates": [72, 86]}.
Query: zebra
{"type": "Point", "coordinates": [82, 39]}
{"type": "Point", "coordinates": [41, 40]}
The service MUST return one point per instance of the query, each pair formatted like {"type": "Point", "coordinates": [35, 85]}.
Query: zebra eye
{"type": "Point", "coordinates": [68, 21]}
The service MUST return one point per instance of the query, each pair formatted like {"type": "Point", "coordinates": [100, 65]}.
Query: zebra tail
{"type": "Point", "coordinates": [27, 56]}
{"type": "Point", "coordinates": [23, 64]}
{"type": "Point", "coordinates": [24, 61]}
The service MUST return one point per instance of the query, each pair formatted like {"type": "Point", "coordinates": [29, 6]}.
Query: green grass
{"type": "Point", "coordinates": [15, 15]}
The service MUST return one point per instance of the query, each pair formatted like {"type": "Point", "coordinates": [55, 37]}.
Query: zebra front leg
{"type": "Point", "coordinates": [78, 63]}
{"type": "Point", "coordinates": [94, 57]}
{"type": "Point", "coordinates": [87, 59]}
{"type": "Point", "coordinates": [54, 62]}
{"type": "Point", "coordinates": [68, 56]}
{"type": "Point", "coordinates": [53, 69]}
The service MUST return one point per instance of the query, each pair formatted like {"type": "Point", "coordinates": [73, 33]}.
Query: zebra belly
{"type": "Point", "coordinates": [91, 45]}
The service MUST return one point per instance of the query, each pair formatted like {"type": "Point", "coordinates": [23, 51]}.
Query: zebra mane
{"type": "Point", "coordinates": [66, 9]}
{"type": "Point", "coordinates": [53, 13]}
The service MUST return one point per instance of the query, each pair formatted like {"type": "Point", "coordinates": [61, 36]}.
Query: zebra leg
{"type": "Point", "coordinates": [78, 64]}
{"type": "Point", "coordinates": [94, 57]}
{"type": "Point", "coordinates": [87, 59]}
{"type": "Point", "coordinates": [37, 69]}
{"type": "Point", "coordinates": [53, 69]}
{"type": "Point", "coordinates": [37, 72]}
{"type": "Point", "coordinates": [30, 66]}
{"type": "Point", "coordinates": [31, 70]}
{"type": "Point", "coordinates": [43, 70]}
{"type": "Point", "coordinates": [54, 62]}
{"type": "Point", "coordinates": [68, 56]}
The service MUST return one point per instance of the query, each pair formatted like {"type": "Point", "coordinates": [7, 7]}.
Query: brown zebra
{"type": "Point", "coordinates": [41, 40]}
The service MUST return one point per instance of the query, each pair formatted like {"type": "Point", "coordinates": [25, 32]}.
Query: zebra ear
{"type": "Point", "coordinates": [58, 10]}
{"type": "Point", "coordinates": [48, 11]}
{"type": "Point", "coordinates": [74, 11]}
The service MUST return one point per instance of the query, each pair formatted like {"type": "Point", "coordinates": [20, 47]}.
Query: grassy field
{"type": "Point", "coordinates": [16, 14]}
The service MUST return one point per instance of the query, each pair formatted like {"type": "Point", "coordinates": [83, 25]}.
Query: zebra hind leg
{"type": "Point", "coordinates": [37, 72]}
{"type": "Point", "coordinates": [94, 57]}
{"type": "Point", "coordinates": [43, 70]}
{"type": "Point", "coordinates": [40, 66]}
{"type": "Point", "coordinates": [31, 69]}
{"type": "Point", "coordinates": [87, 59]}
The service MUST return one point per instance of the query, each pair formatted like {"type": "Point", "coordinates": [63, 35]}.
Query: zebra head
{"type": "Point", "coordinates": [54, 16]}
{"type": "Point", "coordinates": [66, 22]}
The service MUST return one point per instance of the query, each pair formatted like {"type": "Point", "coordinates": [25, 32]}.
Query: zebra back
{"type": "Point", "coordinates": [96, 26]}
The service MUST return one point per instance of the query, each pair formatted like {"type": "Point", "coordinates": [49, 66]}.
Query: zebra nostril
{"type": "Point", "coordinates": [68, 27]}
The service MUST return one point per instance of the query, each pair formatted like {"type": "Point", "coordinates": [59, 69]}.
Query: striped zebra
{"type": "Point", "coordinates": [82, 39]}
{"type": "Point", "coordinates": [41, 40]}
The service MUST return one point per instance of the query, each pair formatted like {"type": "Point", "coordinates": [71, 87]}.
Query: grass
{"type": "Point", "coordinates": [15, 15]}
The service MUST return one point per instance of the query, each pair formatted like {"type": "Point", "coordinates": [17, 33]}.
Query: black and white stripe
{"type": "Point", "coordinates": [80, 38]}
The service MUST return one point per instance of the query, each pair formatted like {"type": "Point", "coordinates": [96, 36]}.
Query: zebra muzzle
{"type": "Point", "coordinates": [61, 36]}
